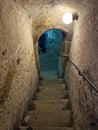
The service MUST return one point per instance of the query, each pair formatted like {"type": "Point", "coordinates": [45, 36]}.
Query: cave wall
{"type": "Point", "coordinates": [84, 53]}
{"type": "Point", "coordinates": [18, 72]}
{"type": "Point", "coordinates": [21, 24]}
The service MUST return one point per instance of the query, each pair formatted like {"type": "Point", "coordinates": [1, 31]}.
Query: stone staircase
{"type": "Point", "coordinates": [50, 108]}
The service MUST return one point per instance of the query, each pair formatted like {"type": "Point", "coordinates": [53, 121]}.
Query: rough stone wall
{"type": "Point", "coordinates": [84, 53]}
{"type": "Point", "coordinates": [18, 73]}
{"type": "Point", "coordinates": [17, 60]}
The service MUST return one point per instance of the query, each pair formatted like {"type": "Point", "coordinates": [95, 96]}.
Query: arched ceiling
{"type": "Point", "coordinates": [39, 6]}
{"type": "Point", "coordinates": [47, 14]}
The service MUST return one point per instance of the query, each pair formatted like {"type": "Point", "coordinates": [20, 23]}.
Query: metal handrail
{"type": "Point", "coordinates": [82, 74]}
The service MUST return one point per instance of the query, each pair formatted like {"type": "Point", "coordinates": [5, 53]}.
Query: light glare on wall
{"type": "Point", "coordinates": [67, 18]}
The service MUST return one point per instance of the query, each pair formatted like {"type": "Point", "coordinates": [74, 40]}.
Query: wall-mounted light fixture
{"type": "Point", "coordinates": [68, 17]}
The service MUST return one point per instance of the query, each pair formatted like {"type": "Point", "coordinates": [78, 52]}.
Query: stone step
{"type": "Point", "coordinates": [43, 105]}
{"type": "Point", "coordinates": [51, 95]}
{"type": "Point", "coordinates": [53, 86]}
{"type": "Point", "coordinates": [55, 81]}
{"type": "Point", "coordinates": [51, 89]}
{"type": "Point", "coordinates": [46, 128]}
{"type": "Point", "coordinates": [50, 118]}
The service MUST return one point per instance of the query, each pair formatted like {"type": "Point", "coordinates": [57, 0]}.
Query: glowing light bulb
{"type": "Point", "coordinates": [67, 18]}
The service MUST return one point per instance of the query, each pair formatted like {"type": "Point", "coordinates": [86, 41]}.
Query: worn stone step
{"type": "Point", "coordinates": [53, 87]}
{"type": "Point", "coordinates": [46, 128]}
{"type": "Point", "coordinates": [51, 95]}
{"type": "Point", "coordinates": [55, 81]}
{"type": "Point", "coordinates": [42, 105]}
{"type": "Point", "coordinates": [50, 118]}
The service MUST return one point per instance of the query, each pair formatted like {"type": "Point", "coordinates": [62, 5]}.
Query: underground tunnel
{"type": "Point", "coordinates": [22, 23]}
{"type": "Point", "coordinates": [50, 47]}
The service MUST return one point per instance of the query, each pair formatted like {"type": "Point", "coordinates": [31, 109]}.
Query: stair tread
{"type": "Point", "coordinates": [47, 128]}
{"type": "Point", "coordinates": [49, 111]}
{"type": "Point", "coordinates": [56, 81]}
{"type": "Point", "coordinates": [58, 85]}
{"type": "Point", "coordinates": [42, 105]}
{"type": "Point", "coordinates": [53, 86]}
{"type": "Point", "coordinates": [50, 118]}
{"type": "Point", "coordinates": [51, 95]}
{"type": "Point", "coordinates": [56, 90]}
